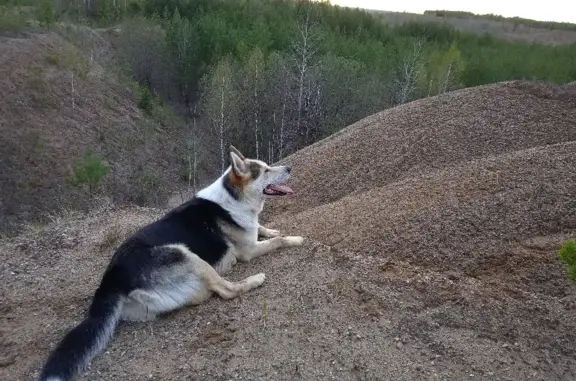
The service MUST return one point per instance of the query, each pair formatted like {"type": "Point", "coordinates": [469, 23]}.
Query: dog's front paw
{"type": "Point", "coordinates": [268, 233]}
{"type": "Point", "coordinates": [256, 280]}
{"type": "Point", "coordinates": [293, 241]}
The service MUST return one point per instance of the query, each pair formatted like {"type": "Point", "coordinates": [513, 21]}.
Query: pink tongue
{"type": "Point", "coordinates": [280, 188]}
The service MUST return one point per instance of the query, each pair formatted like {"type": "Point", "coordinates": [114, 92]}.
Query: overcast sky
{"type": "Point", "coordinates": [548, 10]}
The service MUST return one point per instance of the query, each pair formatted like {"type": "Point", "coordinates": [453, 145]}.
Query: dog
{"type": "Point", "coordinates": [179, 260]}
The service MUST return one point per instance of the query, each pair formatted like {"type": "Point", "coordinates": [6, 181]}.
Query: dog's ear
{"type": "Point", "coordinates": [235, 150]}
{"type": "Point", "coordinates": [238, 166]}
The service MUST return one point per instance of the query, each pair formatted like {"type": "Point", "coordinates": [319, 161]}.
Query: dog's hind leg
{"type": "Point", "coordinates": [181, 278]}
{"type": "Point", "coordinates": [264, 247]}
{"type": "Point", "coordinates": [213, 282]}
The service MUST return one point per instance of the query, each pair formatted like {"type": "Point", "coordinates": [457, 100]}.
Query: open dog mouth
{"type": "Point", "coordinates": [277, 190]}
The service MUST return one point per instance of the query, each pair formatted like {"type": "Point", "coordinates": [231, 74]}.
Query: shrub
{"type": "Point", "coordinates": [45, 13]}
{"type": "Point", "coordinates": [568, 254]}
{"type": "Point", "coordinates": [146, 102]}
{"type": "Point", "coordinates": [89, 171]}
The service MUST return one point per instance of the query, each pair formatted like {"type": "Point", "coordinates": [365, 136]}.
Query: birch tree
{"type": "Point", "coordinates": [220, 105]}
{"type": "Point", "coordinates": [442, 71]}
{"type": "Point", "coordinates": [304, 49]}
{"type": "Point", "coordinates": [409, 72]}
{"type": "Point", "coordinates": [255, 71]}
{"type": "Point", "coordinates": [450, 69]}
{"type": "Point", "coordinates": [278, 96]}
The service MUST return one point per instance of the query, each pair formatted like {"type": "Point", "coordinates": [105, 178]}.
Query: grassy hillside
{"type": "Point", "coordinates": [72, 131]}
{"type": "Point", "coordinates": [550, 25]}
{"type": "Point", "coordinates": [509, 28]}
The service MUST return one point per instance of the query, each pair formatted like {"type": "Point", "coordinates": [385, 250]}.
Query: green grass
{"type": "Point", "coordinates": [13, 19]}
{"type": "Point", "coordinates": [567, 253]}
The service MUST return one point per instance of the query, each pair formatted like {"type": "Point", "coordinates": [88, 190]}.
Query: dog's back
{"type": "Point", "coordinates": [195, 224]}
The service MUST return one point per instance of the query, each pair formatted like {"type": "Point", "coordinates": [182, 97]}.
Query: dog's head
{"type": "Point", "coordinates": [254, 179]}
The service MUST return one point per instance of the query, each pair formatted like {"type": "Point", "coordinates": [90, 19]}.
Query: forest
{"type": "Point", "coordinates": [273, 76]}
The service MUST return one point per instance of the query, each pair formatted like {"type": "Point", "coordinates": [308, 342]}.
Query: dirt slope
{"type": "Point", "coordinates": [442, 266]}
{"type": "Point", "coordinates": [429, 134]}
{"type": "Point", "coordinates": [57, 103]}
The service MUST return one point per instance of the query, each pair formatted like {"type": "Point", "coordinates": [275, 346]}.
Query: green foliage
{"type": "Point", "coordinates": [200, 33]}
{"type": "Point", "coordinates": [568, 254]}
{"type": "Point", "coordinates": [89, 170]}
{"type": "Point", "coordinates": [146, 102]}
{"type": "Point", "coordinates": [216, 28]}
{"type": "Point", "coordinates": [442, 72]}
{"type": "Point", "coordinates": [45, 13]}
{"type": "Point", "coordinates": [182, 42]}
{"type": "Point", "coordinates": [11, 19]}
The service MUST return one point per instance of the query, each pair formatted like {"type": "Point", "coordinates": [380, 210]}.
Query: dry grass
{"type": "Point", "coordinates": [111, 239]}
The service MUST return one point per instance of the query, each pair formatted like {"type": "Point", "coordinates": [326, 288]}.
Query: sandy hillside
{"type": "Point", "coordinates": [431, 255]}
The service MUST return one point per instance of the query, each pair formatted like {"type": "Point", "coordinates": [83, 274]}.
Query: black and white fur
{"type": "Point", "coordinates": [178, 260]}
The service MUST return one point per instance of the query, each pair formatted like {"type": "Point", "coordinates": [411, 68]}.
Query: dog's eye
{"type": "Point", "coordinates": [267, 170]}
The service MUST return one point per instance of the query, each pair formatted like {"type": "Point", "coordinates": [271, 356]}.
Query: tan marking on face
{"type": "Point", "coordinates": [239, 180]}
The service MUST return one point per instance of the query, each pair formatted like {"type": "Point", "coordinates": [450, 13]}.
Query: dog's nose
{"type": "Point", "coordinates": [288, 169]}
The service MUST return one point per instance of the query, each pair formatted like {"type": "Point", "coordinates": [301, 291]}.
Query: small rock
{"type": "Point", "coordinates": [399, 345]}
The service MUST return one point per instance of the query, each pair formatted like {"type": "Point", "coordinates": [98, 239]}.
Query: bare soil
{"type": "Point", "coordinates": [432, 230]}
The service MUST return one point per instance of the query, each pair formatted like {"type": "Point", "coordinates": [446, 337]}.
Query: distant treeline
{"type": "Point", "coordinates": [515, 20]}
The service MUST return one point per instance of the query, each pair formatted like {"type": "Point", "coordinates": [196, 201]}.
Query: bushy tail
{"type": "Point", "coordinates": [86, 340]}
